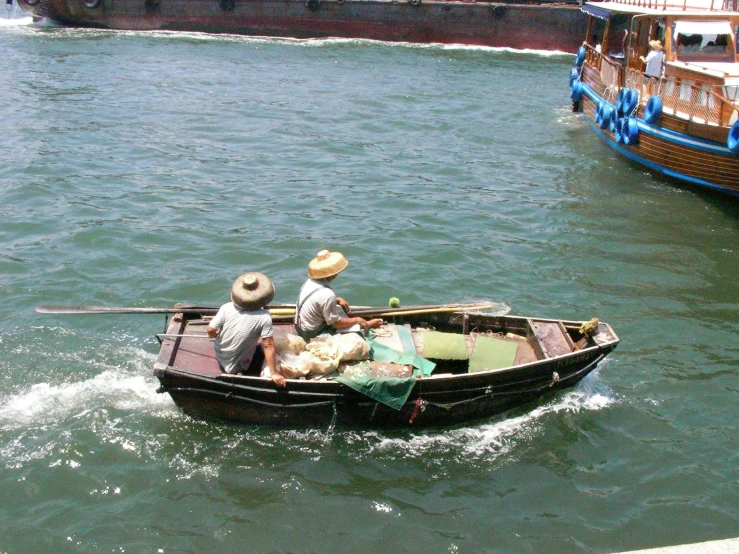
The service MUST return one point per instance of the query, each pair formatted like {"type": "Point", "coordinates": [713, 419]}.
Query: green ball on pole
{"type": "Point", "coordinates": [394, 302]}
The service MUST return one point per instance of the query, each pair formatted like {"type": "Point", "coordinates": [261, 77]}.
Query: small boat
{"type": "Point", "coordinates": [485, 364]}
{"type": "Point", "coordinates": [683, 122]}
{"type": "Point", "coordinates": [533, 24]}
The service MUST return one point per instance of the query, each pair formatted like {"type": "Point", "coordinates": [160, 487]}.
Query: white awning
{"type": "Point", "coordinates": [702, 28]}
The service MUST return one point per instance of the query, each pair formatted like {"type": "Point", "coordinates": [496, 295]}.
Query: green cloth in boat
{"type": "Point", "coordinates": [444, 346]}
{"type": "Point", "coordinates": [381, 353]}
{"type": "Point", "coordinates": [391, 391]}
{"type": "Point", "coordinates": [492, 353]}
{"type": "Point", "coordinates": [406, 339]}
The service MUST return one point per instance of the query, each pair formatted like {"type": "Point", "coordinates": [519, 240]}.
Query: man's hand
{"type": "Point", "coordinates": [372, 324]}
{"type": "Point", "coordinates": [278, 380]}
{"type": "Point", "coordinates": [343, 303]}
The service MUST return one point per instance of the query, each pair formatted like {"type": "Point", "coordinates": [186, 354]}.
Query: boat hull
{"type": "Point", "coordinates": [666, 147]}
{"type": "Point", "coordinates": [430, 403]}
{"type": "Point", "coordinates": [450, 396]}
{"type": "Point", "coordinates": [541, 27]}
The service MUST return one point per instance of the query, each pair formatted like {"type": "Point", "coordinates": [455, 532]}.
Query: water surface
{"type": "Point", "coordinates": [144, 169]}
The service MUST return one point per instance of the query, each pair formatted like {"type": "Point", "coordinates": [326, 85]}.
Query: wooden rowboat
{"type": "Point", "coordinates": [543, 355]}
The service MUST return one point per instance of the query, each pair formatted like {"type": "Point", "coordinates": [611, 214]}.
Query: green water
{"type": "Point", "coordinates": [148, 169]}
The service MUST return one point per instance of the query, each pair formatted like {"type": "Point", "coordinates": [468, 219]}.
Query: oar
{"type": "Point", "coordinates": [284, 310]}
{"type": "Point", "coordinates": [50, 309]}
{"type": "Point", "coordinates": [436, 310]}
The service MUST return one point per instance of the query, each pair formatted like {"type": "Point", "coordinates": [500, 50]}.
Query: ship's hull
{"type": "Point", "coordinates": [687, 151]}
{"type": "Point", "coordinates": [540, 27]}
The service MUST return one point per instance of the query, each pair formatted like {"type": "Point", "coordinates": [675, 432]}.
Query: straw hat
{"type": "Point", "coordinates": [657, 45]}
{"type": "Point", "coordinates": [326, 264]}
{"type": "Point", "coordinates": [252, 291]}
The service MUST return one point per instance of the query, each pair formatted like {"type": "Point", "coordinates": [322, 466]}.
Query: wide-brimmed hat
{"type": "Point", "coordinates": [326, 264]}
{"type": "Point", "coordinates": [657, 45]}
{"type": "Point", "coordinates": [252, 291]}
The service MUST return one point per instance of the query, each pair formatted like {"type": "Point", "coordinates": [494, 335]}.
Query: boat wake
{"type": "Point", "coordinates": [311, 42]}
{"type": "Point", "coordinates": [499, 438]}
{"type": "Point", "coordinates": [43, 404]}
{"type": "Point", "coordinates": [14, 21]}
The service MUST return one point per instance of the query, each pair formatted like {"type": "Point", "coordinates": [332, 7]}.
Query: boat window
{"type": "Point", "coordinates": [618, 34]}
{"type": "Point", "coordinates": [698, 39]}
{"type": "Point", "coordinates": [732, 93]}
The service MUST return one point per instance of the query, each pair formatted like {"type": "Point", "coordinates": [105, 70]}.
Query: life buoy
{"type": "Point", "coordinates": [630, 131]}
{"type": "Point", "coordinates": [605, 120]}
{"type": "Point", "coordinates": [313, 5]}
{"type": "Point", "coordinates": [580, 59]}
{"type": "Point", "coordinates": [614, 120]}
{"type": "Point", "coordinates": [733, 141]}
{"type": "Point", "coordinates": [91, 4]}
{"type": "Point", "coordinates": [653, 110]}
{"type": "Point", "coordinates": [499, 10]}
{"type": "Point", "coordinates": [576, 92]}
{"type": "Point", "coordinates": [227, 5]}
{"type": "Point", "coordinates": [599, 112]}
{"type": "Point", "coordinates": [415, 2]}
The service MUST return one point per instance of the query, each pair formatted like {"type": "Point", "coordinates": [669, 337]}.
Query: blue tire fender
{"type": "Point", "coordinates": [580, 58]}
{"type": "Point", "coordinates": [618, 132]}
{"type": "Point", "coordinates": [576, 92]}
{"type": "Point", "coordinates": [733, 141]}
{"type": "Point", "coordinates": [614, 120]}
{"type": "Point", "coordinates": [620, 102]}
{"type": "Point", "coordinates": [653, 110]}
{"type": "Point", "coordinates": [630, 102]}
{"type": "Point", "coordinates": [574, 75]}
{"type": "Point", "coordinates": [605, 119]}
{"type": "Point", "coordinates": [630, 131]}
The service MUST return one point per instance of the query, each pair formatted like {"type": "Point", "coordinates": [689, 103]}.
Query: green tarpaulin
{"type": "Point", "coordinates": [492, 353]}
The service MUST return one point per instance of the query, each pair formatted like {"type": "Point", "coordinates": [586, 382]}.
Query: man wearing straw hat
{"type": "Point", "coordinates": [654, 59]}
{"type": "Point", "coordinates": [318, 309]}
{"type": "Point", "coordinates": [239, 324]}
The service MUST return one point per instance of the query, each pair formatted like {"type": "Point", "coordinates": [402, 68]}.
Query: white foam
{"type": "Point", "coordinates": [45, 403]}
{"type": "Point", "coordinates": [312, 42]}
{"type": "Point", "coordinates": [499, 438]}
{"type": "Point", "coordinates": [15, 21]}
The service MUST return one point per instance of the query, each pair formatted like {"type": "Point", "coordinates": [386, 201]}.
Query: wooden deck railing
{"type": "Point", "coordinates": [713, 5]}
{"type": "Point", "coordinates": [685, 100]}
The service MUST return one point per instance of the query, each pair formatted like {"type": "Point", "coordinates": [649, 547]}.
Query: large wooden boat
{"type": "Point", "coordinates": [682, 124]}
{"type": "Point", "coordinates": [541, 356]}
{"type": "Point", "coordinates": [534, 24]}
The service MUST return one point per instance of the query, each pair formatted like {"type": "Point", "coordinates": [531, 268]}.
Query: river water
{"type": "Point", "coordinates": [144, 169]}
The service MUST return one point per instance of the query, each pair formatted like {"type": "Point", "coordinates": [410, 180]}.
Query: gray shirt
{"type": "Point", "coordinates": [318, 307]}
{"type": "Point", "coordinates": [240, 333]}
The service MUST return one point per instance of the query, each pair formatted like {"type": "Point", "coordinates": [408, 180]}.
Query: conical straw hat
{"type": "Point", "coordinates": [252, 291]}
{"type": "Point", "coordinates": [326, 264]}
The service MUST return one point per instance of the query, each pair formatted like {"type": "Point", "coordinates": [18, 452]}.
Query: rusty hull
{"type": "Point", "coordinates": [521, 26]}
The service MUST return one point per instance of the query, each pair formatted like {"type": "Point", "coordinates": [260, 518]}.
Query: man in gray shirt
{"type": "Point", "coordinates": [239, 324]}
{"type": "Point", "coordinates": [318, 309]}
